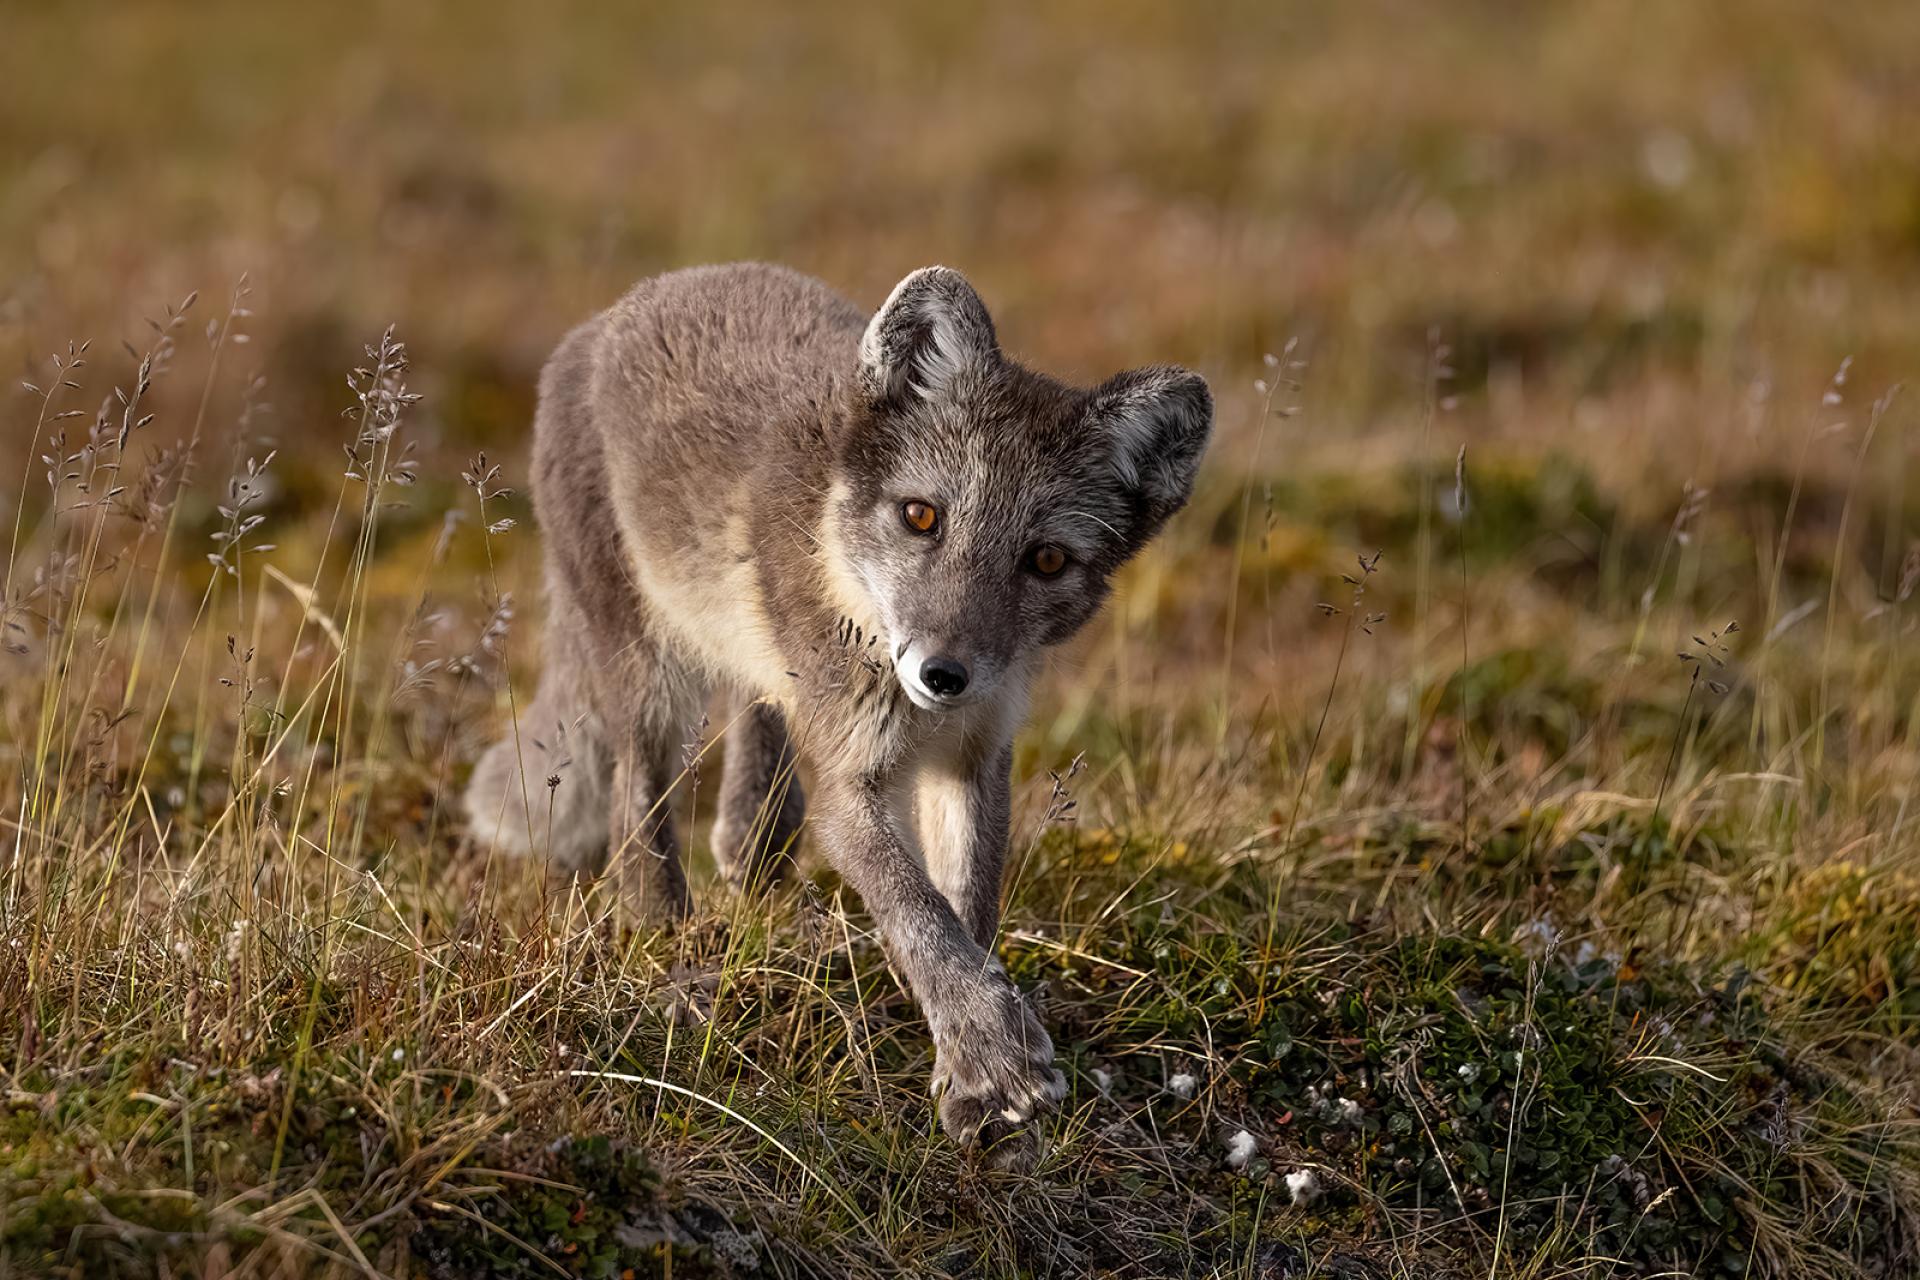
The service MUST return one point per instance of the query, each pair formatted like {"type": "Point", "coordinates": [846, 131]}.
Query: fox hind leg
{"type": "Point", "coordinates": [587, 778]}
{"type": "Point", "coordinates": [761, 801]}
{"type": "Point", "coordinates": [655, 699]}
{"type": "Point", "coordinates": [641, 832]}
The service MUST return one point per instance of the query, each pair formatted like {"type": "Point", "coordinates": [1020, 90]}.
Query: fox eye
{"type": "Point", "coordinates": [920, 516]}
{"type": "Point", "coordinates": [1047, 561]}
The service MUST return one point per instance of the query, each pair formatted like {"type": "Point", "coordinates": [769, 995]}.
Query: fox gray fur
{"type": "Point", "coordinates": [732, 467]}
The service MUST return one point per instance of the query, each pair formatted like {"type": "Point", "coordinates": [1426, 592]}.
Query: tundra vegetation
{"type": "Point", "coordinates": [1477, 841]}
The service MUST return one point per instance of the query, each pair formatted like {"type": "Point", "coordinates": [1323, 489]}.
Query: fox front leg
{"type": "Point", "coordinates": [993, 1062]}
{"type": "Point", "coordinates": [965, 810]}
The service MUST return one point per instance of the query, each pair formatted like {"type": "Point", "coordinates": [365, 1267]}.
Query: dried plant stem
{"type": "Point", "coordinates": [506, 668]}
{"type": "Point", "coordinates": [1354, 618]}
{"type": "Point", "coordinates": [62, 380]}
{"type": "Point", "coordinates": [1464, 712]}
{"type": "Point", "coordinates": [1438, 372]}
{"type": "Point", "coordinates": [1832, 398]}
{"type": "Point", "coordinates": [236, 310]}
{"type": "Point", "coordinates": [1279, 372]}
{"type": "Point", "coordinates": [1666, 774]}
{"type": "Point", "coordinates": [1878, 412]}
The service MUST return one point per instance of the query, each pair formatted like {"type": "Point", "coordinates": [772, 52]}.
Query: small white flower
{"type": "Point", "coordinates": [1303, 1185]}
{"type": "Point", "coordinates": [1332, 1107]}
{"type": "Point", "coordinates": [1469, 1072]}
{"type": "Point", "coordinates": [1182, 1085]}
{"type": "Point", "coordinates": [1240, 1148]}
{"type": "Point", "coordinates": [1102, 1080]}
{"type": "Point", "coordinates": [399, 1055]}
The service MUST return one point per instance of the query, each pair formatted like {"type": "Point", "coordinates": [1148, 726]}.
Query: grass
{"type": "Point", "coordinates": [1512, 915]}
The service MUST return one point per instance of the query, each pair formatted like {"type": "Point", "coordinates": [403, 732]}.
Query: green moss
{"type": "Point", "coordinates": [593, 1208]}
{"type": "Point", "coordinates": [1650, 1115]}
{"type": "Point", "coordinates": [92, 1186]}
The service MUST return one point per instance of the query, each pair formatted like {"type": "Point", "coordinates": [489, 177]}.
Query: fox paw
{"type": "Point", "coordinates": [994, 1075]}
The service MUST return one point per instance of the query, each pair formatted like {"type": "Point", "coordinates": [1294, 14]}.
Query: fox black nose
{"type": "Point", "coordinates": [944, 677]}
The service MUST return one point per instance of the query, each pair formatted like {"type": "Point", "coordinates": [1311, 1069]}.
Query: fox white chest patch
{"type": "Point", "coordinates": [716, 614]}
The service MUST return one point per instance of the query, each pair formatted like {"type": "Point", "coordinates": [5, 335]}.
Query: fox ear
{"type": "Point", "coordinates": [931, 328]}
{"type": "Point", "coordinates": [1157, 421]}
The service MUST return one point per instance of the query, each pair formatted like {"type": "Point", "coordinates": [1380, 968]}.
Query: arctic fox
{"type": "Point", "coordinates": [865, 529]}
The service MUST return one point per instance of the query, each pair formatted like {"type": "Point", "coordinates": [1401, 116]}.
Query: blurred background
{"type": "Point", "coordinates": [1615, 254]}
{"type": "Point", "coordinates": [1549, 340]}
{"type": "Point", "coordinates": [1590, 201]}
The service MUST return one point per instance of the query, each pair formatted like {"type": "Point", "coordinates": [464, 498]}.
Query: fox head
{"type": "Point", "coordinates": [983, 507]}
